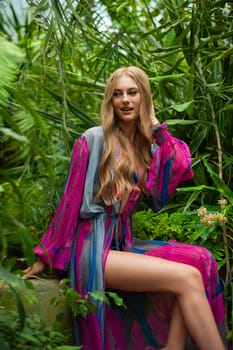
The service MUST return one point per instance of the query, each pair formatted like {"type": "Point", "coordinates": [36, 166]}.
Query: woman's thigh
{"type": "Point", "coordinates": [137, 272]}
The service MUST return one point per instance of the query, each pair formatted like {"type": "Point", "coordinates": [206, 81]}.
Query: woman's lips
{"type": "Point", "coordinates": [126, 109]}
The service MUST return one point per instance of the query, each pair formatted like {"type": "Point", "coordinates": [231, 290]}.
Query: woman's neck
{"type": "Point", "coordinates": [128, 131]}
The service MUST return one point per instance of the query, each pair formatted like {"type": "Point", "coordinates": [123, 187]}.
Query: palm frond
{"type": "Point", "coordinates": [11, 56]}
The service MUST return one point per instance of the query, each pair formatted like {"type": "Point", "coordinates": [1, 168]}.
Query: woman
{"type": "Point", "coordinates": [171, 290]}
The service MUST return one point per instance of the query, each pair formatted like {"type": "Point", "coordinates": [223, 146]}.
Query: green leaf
{"type": "Point", "coordinates": [167, 77]}
{"type": "Point", "coordinates": [14, 135]}
{"type": "Point", "coordinates": [117, 299]}
{"type": "Point", "coordinates": [181, 107]}
{"type": "Point", "coordinates": [4, 345]}
{"type": "Point", "coordinates": [180, 122]}
{"type": "Point", "coordinates": [228, 107]}
{"type": "Point", "coordinates": [191, 199]}
{"type": "Point", "coordinates": [20, 308]}
{"type": "Point", "coordinates": [98, 295]}
{"type": "Point", "coordinates": [10, 58]}
{"type": "Point", "coordinates": [196, 188]}
{"type": "Point", "coordinates": [17, 283]}
{"type": "Point", "coordinates": [220, 184]}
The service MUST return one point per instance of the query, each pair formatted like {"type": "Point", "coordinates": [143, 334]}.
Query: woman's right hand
{"type": "Point", "coordinates": [33, 270]}
{"type": "Point", "coordinates": [153, 120]}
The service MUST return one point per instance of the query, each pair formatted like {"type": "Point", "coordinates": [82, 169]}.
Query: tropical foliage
{"type": "Point", "coordinates": [55, 58]}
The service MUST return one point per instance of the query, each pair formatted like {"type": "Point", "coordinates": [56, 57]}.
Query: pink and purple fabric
{"type": "Point", "coordinates": [82, 232]}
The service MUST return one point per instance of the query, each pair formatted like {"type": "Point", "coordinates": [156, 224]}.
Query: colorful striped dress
{"type": "Point", "coordinates": [82, 232]}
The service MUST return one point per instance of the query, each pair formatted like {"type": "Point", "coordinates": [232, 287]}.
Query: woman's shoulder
{"type": "Point", "coordinates": [94, 135]}
{"type": "Point", "coordinates": [95, 131]}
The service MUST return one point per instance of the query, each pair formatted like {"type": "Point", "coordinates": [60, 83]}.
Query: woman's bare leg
{"type": "Point", "coordinates": [137, 272]}
{"type": "Point", "coordinates": [177, 336]}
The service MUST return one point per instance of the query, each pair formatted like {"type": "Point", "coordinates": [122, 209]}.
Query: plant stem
{"type": "Point", "coordinates": [220, 174]}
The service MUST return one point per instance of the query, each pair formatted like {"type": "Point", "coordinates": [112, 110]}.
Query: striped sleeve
{"type": "Point", "coordinates": [171, 165]}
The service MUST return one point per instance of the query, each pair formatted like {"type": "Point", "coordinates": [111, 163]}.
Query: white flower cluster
{"type": "Point", "coordinates": [209, 219]}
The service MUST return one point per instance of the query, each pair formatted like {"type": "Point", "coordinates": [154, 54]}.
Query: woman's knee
{"type": "Point", "coordinates": [206, 264]}
{"type": "Point", "coordinates": [190, 279]}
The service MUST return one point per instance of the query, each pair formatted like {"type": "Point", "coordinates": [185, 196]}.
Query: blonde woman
{"type": "Point", "coordinates": [171, 290]}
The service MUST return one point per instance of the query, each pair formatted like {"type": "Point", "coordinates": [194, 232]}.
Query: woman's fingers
{"type": "Point", "coordinates": [33, 270]}
{"type": "Point", "coordinates": [153, 118]}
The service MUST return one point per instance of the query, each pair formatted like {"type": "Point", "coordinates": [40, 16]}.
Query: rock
{"type": "Point", "coordinates": [50, 302]}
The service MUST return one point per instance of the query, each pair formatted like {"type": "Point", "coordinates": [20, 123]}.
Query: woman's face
{"type": "Point", "coordinates": [126, 100]}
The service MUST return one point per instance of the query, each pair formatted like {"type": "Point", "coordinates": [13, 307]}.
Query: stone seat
{"type": "Point", "coordinates": [50, 302]}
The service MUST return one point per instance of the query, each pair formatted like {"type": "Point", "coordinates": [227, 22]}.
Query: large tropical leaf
{"type": "Point", "coordinates": [10, 58]}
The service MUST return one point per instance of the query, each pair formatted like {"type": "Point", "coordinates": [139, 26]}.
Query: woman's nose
{"type": "Point", "coordinates": [125, 97]}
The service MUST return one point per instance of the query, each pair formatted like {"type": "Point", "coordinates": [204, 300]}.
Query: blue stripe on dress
{"type": "Point", "coordinates": [219, 289]}
{"type": "Point", "coordinates": [100, 320]}
{"type": "Point", "coordinates": [144, 325]}
{"type": "Point", "coordinates": [167, 167]}
{"type": "Point", "coordinates": [92, 271]}
{"type": "Point", "coordinates": [139, 251]}
{"type": "Point", "coordinates": [72, 268]}
{"type": "Point", "coordinates": [109, 234]}
{"type": "Point", "coordinates": [156, 241]}
{"type": "Point", "coordinates": [142, 251]}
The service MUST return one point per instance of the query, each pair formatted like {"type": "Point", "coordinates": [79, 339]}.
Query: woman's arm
{"type": "Point", "coordinates": [171, 164]}
{"type": "Point", "coordinates": [56, 243]}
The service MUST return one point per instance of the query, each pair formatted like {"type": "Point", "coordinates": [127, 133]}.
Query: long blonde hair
{"type": "Point", "coordinates": [116, 177]}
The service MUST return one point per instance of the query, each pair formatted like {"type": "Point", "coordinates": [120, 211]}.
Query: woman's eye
{"type": "Point", "coordinates": [117, 93]}
{"type": "Point", "coordinates": [133, 92]}
{"type": "Point", "coordinates": [121, 93]}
